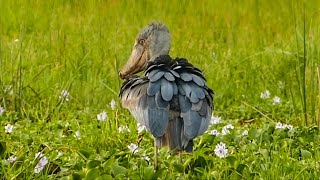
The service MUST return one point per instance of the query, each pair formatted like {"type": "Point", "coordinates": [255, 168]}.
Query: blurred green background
{"type": "Point", "coordinates": [243, 47]}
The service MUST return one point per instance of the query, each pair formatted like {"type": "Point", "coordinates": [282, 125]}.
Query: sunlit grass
{"type": "Point", "coordinates": [59, 63]}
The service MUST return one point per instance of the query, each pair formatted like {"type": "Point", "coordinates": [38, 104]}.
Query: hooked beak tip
{"type": "Point", "coordinates": [122, 76]}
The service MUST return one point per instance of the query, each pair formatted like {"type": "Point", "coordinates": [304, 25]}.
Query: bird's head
{"type": "Point", "coordinates": [152, 41]}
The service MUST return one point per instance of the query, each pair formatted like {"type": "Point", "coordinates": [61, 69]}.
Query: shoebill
{"type": "Point", "coordinates": [172, 99]}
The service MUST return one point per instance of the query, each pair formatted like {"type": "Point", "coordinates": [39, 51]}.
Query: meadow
{"type": "Point", "coordinates": [61, 118]}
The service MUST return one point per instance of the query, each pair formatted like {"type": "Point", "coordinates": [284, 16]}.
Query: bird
{"type": "Point", "coordinates": [172, 99]}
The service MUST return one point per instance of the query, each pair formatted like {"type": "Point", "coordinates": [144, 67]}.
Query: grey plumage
{"type": "Point", "coordinates": [162, 84]}
{"type": "Point", "coordinates": [172, 100]}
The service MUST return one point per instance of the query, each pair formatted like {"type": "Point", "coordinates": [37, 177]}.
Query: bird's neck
{"type": "Point", "coordinates": [154, 55]}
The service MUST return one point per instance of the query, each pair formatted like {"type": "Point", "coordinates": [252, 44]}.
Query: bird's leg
{"type": "Point", "coordinates": [155, 154]}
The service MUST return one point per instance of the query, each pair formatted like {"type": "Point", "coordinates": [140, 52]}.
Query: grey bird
{"type": "Point", "coordinates": [172, 99]}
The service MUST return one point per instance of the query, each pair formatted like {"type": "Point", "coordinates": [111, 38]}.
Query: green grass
{"type": "Point", "coordinates": [243, 48]}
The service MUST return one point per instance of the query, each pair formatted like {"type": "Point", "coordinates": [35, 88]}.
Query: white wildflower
{"type": "Point", "coordinates": [113, 104]}
{"type": "Point", "coordinates": [276, 100]}
{"type": "Point", "coordinates": [8, 128]}
{"type": "Point", "coordinates": [38, 155]}
{"type": "Point", "coordinates": [288, 126]}
{"type": "Point", "coordinates": [226, 129]}
{"type": "Point", "coordinates": [133, 148]}
{"type": "Point", "coordinates": [12, 159]}
{"type": "Point", "coordinates": [41, 164]}
{"type": "Point", "coordinates": [1, 110]}
{"type": "Point", "coordinates": [16, 40]}
{"type": "Point", "coordinates": [77, 134]}
{"type": "Point", "coordinates": [215, 120]}
{"type": "Point", "coordinates": [245, 133]}
{"type": "Point", "coordinates": [221, 150]}
{"type": "Point", "coordinates": [64, 95]}
{"type": "Point", "coordinates": [265, 94]}
{"type": "Point", "coordinates": [279, 125]}
{"type": "Point", "coordinates": [146, 158]}
{"type": "Point", "coordinates": [123, 129]}
{"type": "Point", "coordinates": [229, 126]}
{"type": "Point", "coordinates": [214, 132]}
{"type": "Point", "coordinates": [141, 127]}
{"type": "Point", "coordinates": [102, 116]}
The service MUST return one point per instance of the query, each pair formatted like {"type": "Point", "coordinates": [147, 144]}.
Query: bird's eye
{"type": "Point", "coordinates": [141, 41]}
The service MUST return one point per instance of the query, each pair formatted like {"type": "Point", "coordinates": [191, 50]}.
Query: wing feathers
{"type": "Point", "coordinates": [166, 89]}
{"type": "Point", "coordinates": [150, 98]}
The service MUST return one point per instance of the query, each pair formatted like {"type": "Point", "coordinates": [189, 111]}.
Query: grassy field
{"type": "Point", "coordinates": [261, 58]}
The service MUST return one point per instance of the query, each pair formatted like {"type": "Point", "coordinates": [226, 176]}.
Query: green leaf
{"type": "Point", "coordinates": [253, 133]}
{"type": "Point", "coordinates": [65, 178]}
{"type": "Point", "coordinates": [76, 176]}
{"type": "Point", "coordinates": [158, 173]}
{"type": "Point", "coordinates": [92, 174]}
{"type": "Point", "coordinates": [240, 168]}
{"type": "Point", "coordinates": [231, 160]}
{"type": "Point", "coordinates": [306, 154]}
{"type": "Point", "coordinates": [84, 153]}
{"type": "Point", "coordinates": [178, 167]}
{"type": "Point", "coordinates": [148, 172]}
{"type": "Point", "coordinates": [107, 165]}
{"type": "Point", "coordinates": [79, 166]}
{"type": "Point", "coordinates": [301, 140]}
{"type": "Point", "coordinates": [92, 164]}
{"type": "Point", "coordinates": [215, 174]}
{"type": "Point", "coordinates": [104, 177]}
{"type": "Point", "coordinates": [117, 170]}
{"type": "Point", "coordinates": [264, 153]}
{"type": "Point", "coordinates": [2, 148]}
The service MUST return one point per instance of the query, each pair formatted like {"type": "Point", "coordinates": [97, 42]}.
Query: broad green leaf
{"type": "Point", "coordinates": [178, 167]}
{"type": "Point", "coordinates": [105, 177]}
{"type": "Point", "coordinates": [253, 133]}
{"type": "Point", "coordinates": [158, 173]}
{"type": "Point", "coordinates": [181, 177]}
{"type": "Point", "coordinates": [84, 153]}
{"type": "Point", "coordinates": [240, 168]}
{"type": "Point", "coordinates": [264, 153]}
{"type": "Point", "coordinates": [92, 174]}
{"type": "Point", "coordinates": [79, 166]}
{"type": "Point", "coordinates": [76, 176]}
{"type": "Point", "coordinates": [231, 160]}
{"type": "Point", "coordinates": [66, 178]}
{"type": "Point", "coordinates": [306, 154]}
{"type": "Point", "coordinates": [92, 164]}
{"type": "Point", "coordinates": [117, 170]}
{"type": "Point", "coordinates": [107, 165]}
{"type": "Point", "coordinates": [148, 172]}
{"type": "Point", "coordinates": [215, 174]}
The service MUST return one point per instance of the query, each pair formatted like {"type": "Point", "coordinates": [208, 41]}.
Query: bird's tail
{"type": "Point", "coordinates": [173, 136]}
